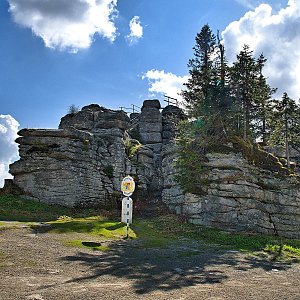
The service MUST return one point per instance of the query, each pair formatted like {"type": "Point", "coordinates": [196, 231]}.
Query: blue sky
{"type": "Point", "coordinates": [60, 52]}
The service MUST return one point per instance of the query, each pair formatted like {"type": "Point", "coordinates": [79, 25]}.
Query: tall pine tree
{"type": "Point", "coordinates": [197, 94]}
{"type": "Point", "coordinates": [286, 124]}
{"type": "Point", "coordinates": [206, 94]}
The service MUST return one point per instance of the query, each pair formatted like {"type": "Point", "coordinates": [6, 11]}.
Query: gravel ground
{"type": "Point", "coordinates": [40, 267]}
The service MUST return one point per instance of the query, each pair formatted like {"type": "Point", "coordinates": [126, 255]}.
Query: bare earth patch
{"type": "Point", "coordinates": [42, 267]}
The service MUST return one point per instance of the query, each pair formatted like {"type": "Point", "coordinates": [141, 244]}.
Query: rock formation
{"type": "Point", "coordinates": [237, 196]}
{"type": "Point", "coordinates": [83, 162]}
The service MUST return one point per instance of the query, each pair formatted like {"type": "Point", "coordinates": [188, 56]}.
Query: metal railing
{"type": "Point", "coordinates": [133, 109]}
{"type": "Point", "coordinates": [171, 100]}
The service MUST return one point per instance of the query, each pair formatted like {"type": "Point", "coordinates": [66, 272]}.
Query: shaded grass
{"type": "Point", "coordinates": [16, 208]}
{"type": "Point", "coordinates": [166, 230]}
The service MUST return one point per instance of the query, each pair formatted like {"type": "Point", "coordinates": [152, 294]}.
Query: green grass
{"type": "Point", "coordinates": [15, 208]}
{"type": "Point", "coordinates": [166, 230]}
{"type": "Point", "coordinates": [159, 232]}
{"type": "Point", "coordinates": [92, 225]}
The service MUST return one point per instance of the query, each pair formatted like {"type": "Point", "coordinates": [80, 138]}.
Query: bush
{"type": "Point", "coordinates": [73, 109]}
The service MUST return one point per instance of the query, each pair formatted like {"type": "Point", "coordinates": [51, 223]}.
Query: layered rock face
{"type": "Point", "coordinates": [236, 196]}
{"type": "Point", "coordinates": [83, 162]}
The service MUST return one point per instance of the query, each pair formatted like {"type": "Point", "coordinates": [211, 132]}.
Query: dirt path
{"type": "Point", "coordinates": [41, 267]}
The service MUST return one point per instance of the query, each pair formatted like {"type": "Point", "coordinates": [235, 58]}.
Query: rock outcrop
{"type": "Point", "coordinates": [236, 196]}
{"type": "Point", "coordinates": [83, 162]}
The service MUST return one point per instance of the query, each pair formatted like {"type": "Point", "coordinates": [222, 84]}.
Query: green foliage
{"type": "Point", "coordinates": [109, 171]}
{"type": "Point", "coordinates": [134, 133]}
{"type": "Point", "coordinates": [196, 139]}
{"type": "Point", "coordinates": [206, 92]}
{"type": "Point", "coordinates": [191, 155]}
{"type": "Point", "coordinates": [285, 124]}
{"type": "Point", "coordinates": [259, 157]}
{"type": "Point", "coordinates": [73, 109]}
{"type": "Point", "coordinates": [131, 146]}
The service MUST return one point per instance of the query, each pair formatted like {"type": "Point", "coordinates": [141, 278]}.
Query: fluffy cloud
{"type": "Point", "coordinates": [66, 24]}
{"type": "Point", "coordinates": [136, 30]}
{"type": "Point", "coordinates": [165, 83]}
{"type": "Point", "coordinates": [9, 149]}
{"type": "Point", "coordinates": [277, 36]}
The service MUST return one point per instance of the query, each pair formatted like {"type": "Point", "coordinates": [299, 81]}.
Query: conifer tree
{"type": "Point", "coordinates": [207, 96]}
{"type": "Point", "coordinates": [197, 94]}
{"type": "Point", "coordinates": [286, 124]}
{"type": "Point", "coordinates": [262, 98]}
{"type": "Point", "coordinates": [243, 81]}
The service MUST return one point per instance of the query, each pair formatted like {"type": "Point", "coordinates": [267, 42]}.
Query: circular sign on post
{"type": "Point", "coordinates": [127, 186]}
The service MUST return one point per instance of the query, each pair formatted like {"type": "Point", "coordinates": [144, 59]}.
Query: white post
{"type": "Point", "coordinates": [127, 223]}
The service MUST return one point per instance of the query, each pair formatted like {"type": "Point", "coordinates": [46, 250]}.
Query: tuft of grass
{"type": "Point", "coordinates": [283, 252]}
{"type": "Point", "coordinates": [90, 245]}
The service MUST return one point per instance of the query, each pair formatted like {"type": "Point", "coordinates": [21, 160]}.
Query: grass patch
{"type": "Point", "coordinates": [166, 230]}
{"type": "Point", "coordinates": [90, 245]}
{"type": "Point", "coordinates": [283, 252]}
{"type": "Point", "coordinates": [91, 225]}
{"type": "Point", "coordinates": [16, 208]}
{"type": "Point", "coordinates": [159, 232]}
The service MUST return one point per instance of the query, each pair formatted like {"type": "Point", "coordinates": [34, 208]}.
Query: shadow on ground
{"type": "Point", "coordinates": [165, 269]}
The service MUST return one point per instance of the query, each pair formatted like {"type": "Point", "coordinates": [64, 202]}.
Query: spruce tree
{"type": "Point", "coordinates": [286, 124]}
{"type": "Point", "coordinates": [243, 81]}
{"type": "Point", "coordinates": [197, 94]}
{"type": "Point", "coordinates": [262, 107]}
{"type": "Point", "coordinates": [206, 93]}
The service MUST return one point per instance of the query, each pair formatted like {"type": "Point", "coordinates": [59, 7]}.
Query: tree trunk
{"type": "Point", "coordinates": [287, 150]}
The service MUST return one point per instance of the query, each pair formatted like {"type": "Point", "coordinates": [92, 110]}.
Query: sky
{"type": "Point", "coordinates": [55, 53]}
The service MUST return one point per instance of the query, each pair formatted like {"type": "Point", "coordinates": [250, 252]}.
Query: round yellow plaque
{"type": "Point", "coordinates": [127, 186]}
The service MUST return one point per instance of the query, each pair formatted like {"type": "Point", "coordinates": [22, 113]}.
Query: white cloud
{"type": "Point", "coordinates": [66, 24]}
{"type": "Point", "coordinates": [165, 83]}
{"type": "Point", "coordinates": [277, 36]}
{"type": "Point", "coordinates": [8, 148]}
{"type": "Point", "coordinates": [136, 30]}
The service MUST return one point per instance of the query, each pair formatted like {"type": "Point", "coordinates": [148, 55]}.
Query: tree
{"type": "Point", "coordinates": [262, 107]}
{"type": "Point", "coordinates": [286, 124]}
{"type": "Point", "coordinates": [207, 96]}
{"type": "Point", "coordinates": [197, 94]}
{"type": "Point", "coordinates": [73, 109]}
{"type": "Point", "coordinates": [251, 95]}
{"type": "Point", "coordinates": [243, 81]}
